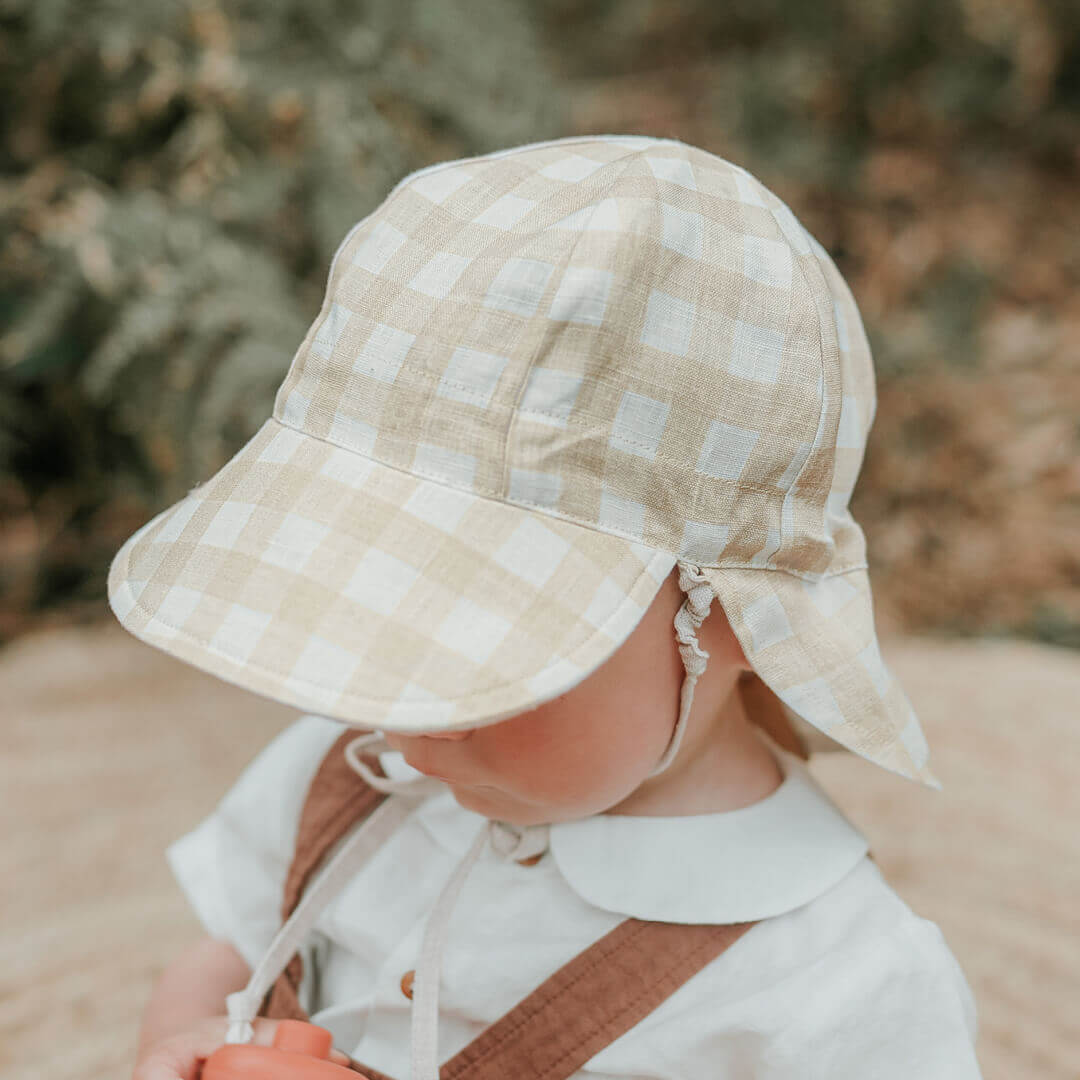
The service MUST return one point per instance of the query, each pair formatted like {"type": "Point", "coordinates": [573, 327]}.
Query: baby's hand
{"type": "Point", "coordinates": [181, 1056]}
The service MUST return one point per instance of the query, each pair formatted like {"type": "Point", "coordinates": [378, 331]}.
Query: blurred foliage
{"type": "Point", "coordinates": [933, 146]}
{"type": "Point", "coordinates": [175, 179]}
{"type": "Point", "coordinates": [177, 175]}
{"type": "Point", "coordinates": [811, 86]}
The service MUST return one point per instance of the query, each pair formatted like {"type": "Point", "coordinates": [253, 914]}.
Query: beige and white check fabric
{"type": "Point", "coordinates": [538, 380]}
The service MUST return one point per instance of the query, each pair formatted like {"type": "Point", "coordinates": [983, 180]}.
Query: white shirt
{"type": "Point", "coordinates": [841, 980]}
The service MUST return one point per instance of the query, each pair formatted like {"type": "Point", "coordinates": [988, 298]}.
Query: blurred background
{"type": "Point", "coordinates": [176, 177]}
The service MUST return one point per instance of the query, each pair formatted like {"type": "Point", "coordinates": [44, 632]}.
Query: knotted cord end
{"type": "Point", "coordinates": [518, 841]}
{"type": "Point", "coordinates": [241, 1014]}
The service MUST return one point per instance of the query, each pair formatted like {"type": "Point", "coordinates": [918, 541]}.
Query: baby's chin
{"type": "Point", "coordinates": [496, 804]}
{"type": "Point", "coordinates": [500, 806]}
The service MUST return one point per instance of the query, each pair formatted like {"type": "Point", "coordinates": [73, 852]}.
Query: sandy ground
{"type": "Point", "coordinates": [112, 749]}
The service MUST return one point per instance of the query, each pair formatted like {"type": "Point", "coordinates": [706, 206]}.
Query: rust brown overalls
{"type": "Point", "coordinates": [581, 1008]}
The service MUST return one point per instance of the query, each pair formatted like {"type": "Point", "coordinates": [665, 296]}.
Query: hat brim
{"type": "Point", "coordinates": [328, 581]}
{"type": "Point", "coordinates": [814, 645]}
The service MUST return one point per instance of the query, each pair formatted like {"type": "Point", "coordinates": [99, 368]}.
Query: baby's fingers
{"type": "Point", "coordinates": [180, 1056]}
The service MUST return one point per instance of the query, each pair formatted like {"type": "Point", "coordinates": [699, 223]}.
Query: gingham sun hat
{"type": "Point", "coordinates": [539, 380]}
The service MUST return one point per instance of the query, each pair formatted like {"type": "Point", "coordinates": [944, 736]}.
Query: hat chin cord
{"type": "Point", "coordinates": [689, 617]}
{"type": "Point", "coordinates": [508, 841]}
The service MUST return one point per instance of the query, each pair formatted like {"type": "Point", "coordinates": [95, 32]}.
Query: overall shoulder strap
{"type": "Point", "coordinates": [337, 798]}
{"type": "Point", "coordinates": [591, 1000]}
{"type": "Point", "coordinates": [585, 1005]}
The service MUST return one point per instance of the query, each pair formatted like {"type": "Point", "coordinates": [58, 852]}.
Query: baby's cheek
{"type": "Point", "coordinates": [572, 764]}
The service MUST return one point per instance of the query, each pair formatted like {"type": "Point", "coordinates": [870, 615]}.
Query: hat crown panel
{"type": "Point", "coordinates": [643, 340]}
{"type": "Point", "coordinates": [433, 311]}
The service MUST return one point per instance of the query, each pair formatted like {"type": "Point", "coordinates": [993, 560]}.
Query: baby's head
{"type": "Point", "coordinates": [595, 747]}
{"type": "Point", "coordinates": [557, 399]}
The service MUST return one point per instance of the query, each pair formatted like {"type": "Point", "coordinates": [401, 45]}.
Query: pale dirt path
{"type": "Point", "coordinates": [111, 749]}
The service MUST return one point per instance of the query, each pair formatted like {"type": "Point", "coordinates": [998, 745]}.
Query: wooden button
{"type": "Point", "coordinates": [532, 860]}
{"type": "Point", "coordinates": [406, 983]}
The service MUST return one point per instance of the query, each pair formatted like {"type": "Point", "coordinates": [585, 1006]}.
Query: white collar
{"type": "Point", "coordinates": [751, 863]}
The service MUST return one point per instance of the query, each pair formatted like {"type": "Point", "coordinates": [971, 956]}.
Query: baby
{"type": "Point", "coordinates": [548, 813]}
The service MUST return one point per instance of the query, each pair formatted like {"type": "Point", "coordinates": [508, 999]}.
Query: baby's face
{"type": "Point", "coordinates": [584, 752]}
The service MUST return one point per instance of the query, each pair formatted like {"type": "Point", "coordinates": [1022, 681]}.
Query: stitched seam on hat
{"type": "Point", "coordinates": [560, 515]}
{"type": "Point", "coordinates": [483, 492]}
{"type": "Point", "coordinates": [504, 476]}
{"type": "Point", "coordinates": [563, 515]}
{"type": "Point", "coordinates": [490, 406]}
{"type": "Point", "coordinates": [583, 420]}
{"type": "Point", "coordinates": [820, 430]}
{"type": "Point", "coordinates": [440, 378]}
{"type": "Point", "coordinates": [836, 350]}
{"type": "Point", "coordinates": [771, 197]}
{"type": "Point", "coordinates": [327, 303]}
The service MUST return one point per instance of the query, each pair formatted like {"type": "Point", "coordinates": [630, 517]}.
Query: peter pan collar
{"type": "Point", "coordinates": [732, 866]}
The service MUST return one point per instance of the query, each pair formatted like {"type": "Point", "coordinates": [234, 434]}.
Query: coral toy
{"type": "Point", "coordinates": [300, 1052]}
